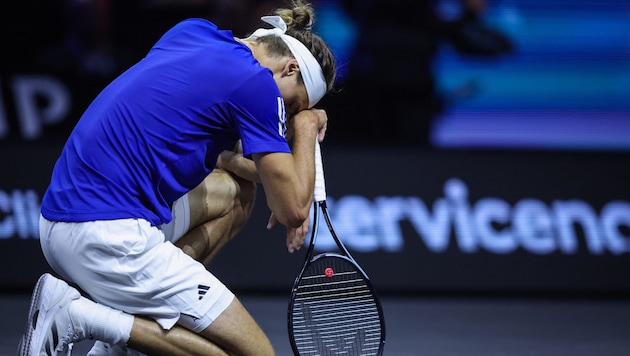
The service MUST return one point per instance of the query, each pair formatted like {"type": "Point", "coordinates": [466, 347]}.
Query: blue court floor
{"type": "Point", "coordinates": [438, 325]}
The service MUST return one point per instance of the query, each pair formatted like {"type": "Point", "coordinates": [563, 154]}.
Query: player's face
{"type": "Point", "coordinates": [294, 95]}
{"type": "Point", "coordinates": [292, 89]}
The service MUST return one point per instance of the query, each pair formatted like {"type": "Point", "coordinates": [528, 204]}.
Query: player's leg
{"type": "Point", "coordinates": [125, 264]}
{"type": "Point", "coordinates": [59, 316]}
{"type": "Point", "coordinates": [148, 337]}
{"type": "Point", "coordinates": [237, 332]}
{"type": "Point", "coordinates": [234, 331]}
{"type": "Point", "coordinates": [204, 220]}
{"type": "Point", "coordinates": [218, 208]}
{"type": "Point", "coordinates": [211, 311]}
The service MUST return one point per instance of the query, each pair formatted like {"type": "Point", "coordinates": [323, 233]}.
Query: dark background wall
{"type": "Point", "coordinates": [471, 149]}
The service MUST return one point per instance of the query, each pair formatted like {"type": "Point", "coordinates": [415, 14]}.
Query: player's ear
{"type": "Point", "coordinates": [291, 67]}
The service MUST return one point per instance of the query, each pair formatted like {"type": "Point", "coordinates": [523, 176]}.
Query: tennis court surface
{"type": "Point", "coordinates": [431, 325]}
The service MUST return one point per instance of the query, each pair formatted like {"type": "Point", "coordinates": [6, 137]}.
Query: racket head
{"type": "Point", "coordinates": [334, 310]}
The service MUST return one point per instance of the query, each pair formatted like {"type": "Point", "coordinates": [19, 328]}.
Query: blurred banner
{"type": "Point", "coordinates": [416, 220]}
{"type": "Point", "coordinates": [462, 222]}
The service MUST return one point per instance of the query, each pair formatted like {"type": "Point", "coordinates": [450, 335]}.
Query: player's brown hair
{"type": "Point", "coordinates": [300, 19]}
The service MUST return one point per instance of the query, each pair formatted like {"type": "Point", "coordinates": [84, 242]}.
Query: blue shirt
{"type": "Point", "coordinates": [155, 132]}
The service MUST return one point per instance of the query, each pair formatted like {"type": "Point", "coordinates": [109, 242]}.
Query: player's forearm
{"type": "Point", "coordinates": [235, 162]}
{"type": "Point", "coordinates": [289, 179]}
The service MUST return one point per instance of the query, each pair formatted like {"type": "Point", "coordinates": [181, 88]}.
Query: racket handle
{"type": "Point", "coordinates": [320, 183]}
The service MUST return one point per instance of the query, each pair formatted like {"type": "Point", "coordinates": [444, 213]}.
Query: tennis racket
{"type": "Point", "coordinates": [333, 309]}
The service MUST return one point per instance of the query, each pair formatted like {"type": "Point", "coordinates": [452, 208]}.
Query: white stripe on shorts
{"type": "Point", "coordinates": [180, 224]}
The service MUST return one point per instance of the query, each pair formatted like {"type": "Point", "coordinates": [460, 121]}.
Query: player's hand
{"type": "Point", "coordinates": [295, 236]}
{"type": "Point", "coordinates": [322, 123]}
{"type": "Point", "coordinates": [226, 157]}
{"type": "Point", "coordinates": [233, 161]}
{"type": "Point", "coordinates": [320, 116]}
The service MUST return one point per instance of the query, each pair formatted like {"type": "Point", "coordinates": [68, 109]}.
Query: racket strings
{"type": "Point", "coordinates": [335, 315]}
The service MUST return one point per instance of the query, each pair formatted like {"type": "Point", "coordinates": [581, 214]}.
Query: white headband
{"type": "Point", "coordinates": [311, 71]}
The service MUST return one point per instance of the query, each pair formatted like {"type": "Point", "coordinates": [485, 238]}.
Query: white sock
{"type": "Point", "coordinates": [105, 323]}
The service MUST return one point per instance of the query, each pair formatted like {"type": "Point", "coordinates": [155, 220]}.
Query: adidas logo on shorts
{"type": "Point", "coordinates": [202, 290]}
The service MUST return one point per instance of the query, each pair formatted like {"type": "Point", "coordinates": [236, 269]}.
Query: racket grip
{"type": "Point", "coordinates": [320, 183]}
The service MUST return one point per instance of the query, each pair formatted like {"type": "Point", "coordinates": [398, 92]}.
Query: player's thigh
{"type": "Point", "coordinates": [212, 198]}
{"type": "Point", "coordinates": [237, 333]}
{"type": "Point", "coordinates": [218, 195]}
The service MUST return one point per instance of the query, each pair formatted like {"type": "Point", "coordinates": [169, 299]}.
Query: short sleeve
{"type": "Point", "coordinates": [261, 119]}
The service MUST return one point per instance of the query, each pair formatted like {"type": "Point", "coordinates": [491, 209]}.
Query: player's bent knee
{"type": "Point", "coordinates": [246, 190]}
{"type": "Point", "coordinates": [237, 333]}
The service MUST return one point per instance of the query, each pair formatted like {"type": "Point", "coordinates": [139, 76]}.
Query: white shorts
{"type": "Point", "coordinates": [126, 264]}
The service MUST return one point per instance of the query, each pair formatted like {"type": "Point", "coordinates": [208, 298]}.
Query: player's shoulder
{"type": "Point", "coordinates": [257, 83]}
{"type": "Point", "coordinates": [193, 32]}
{"type": "Point", "coordinates": [195, 22]}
